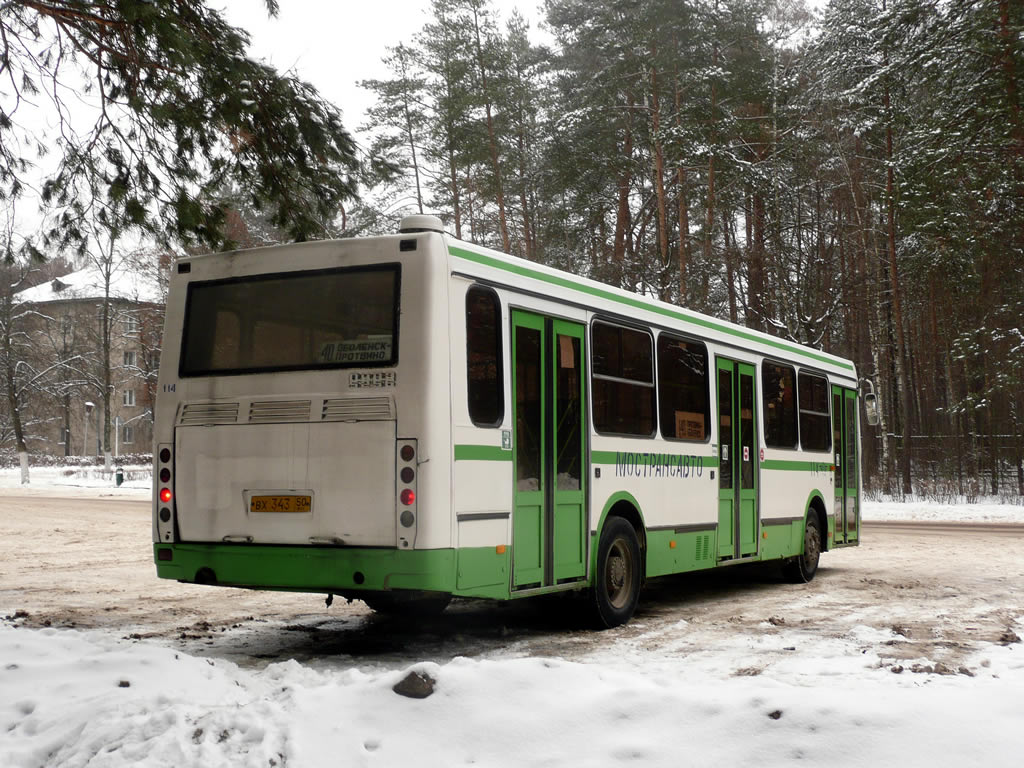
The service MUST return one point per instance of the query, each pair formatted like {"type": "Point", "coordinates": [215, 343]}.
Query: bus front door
{"type": "Point", "coordinates": [844, 445]}
{"type": "Point", "coordinates": [549, 516]}
{"type": "Point", "coordinates": [737, 457]}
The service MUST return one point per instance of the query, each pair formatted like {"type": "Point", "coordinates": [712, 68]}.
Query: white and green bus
{"type": "Point", "coordinates": [407, 418]}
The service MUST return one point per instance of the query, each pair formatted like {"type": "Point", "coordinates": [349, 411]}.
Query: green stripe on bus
{"type": "Point", "coordinates": [797, 466]}
{"type": "Point", "coordinates": [638, 303]}
{"type": "Point", "coordinates": [482, 453]}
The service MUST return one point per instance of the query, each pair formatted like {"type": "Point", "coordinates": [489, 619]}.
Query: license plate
{"type": "Point", "coordinates": [281, 503]}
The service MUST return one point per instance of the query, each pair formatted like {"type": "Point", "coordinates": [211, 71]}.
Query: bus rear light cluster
{"type": "Point", "coordinates": [406, 491]}
{"type": "Point", "coordinates": [165, 495]}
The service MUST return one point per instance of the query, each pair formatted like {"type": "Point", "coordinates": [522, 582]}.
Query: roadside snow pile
{"type": "Point", "coordinates": [980, 512]}
{"type": "Point", "coordinates": [87, 480]}
{"type": "Point", "coordinates": [74, 699]}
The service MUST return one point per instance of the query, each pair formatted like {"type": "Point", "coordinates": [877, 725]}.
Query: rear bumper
{"type": "Point", "coordinates": [307, 569]}
{"type": "Point", "coordinates": [470, 572]}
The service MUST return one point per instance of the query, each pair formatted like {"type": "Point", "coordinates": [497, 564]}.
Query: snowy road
{"type": "Point", "coordinates": [903, 650]}
{"type": "Point", "coordinates": [942, 589]}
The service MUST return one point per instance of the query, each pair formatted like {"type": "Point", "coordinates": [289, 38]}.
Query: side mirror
{"type": "Point", "coordinates": [871, 408]}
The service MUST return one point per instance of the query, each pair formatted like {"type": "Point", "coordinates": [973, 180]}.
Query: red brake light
{"type": "Point", "coordinates": [165, 495]}
{"type": "Point", "coordinates": [408, 497]}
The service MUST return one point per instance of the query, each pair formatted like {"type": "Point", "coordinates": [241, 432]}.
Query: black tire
{"type": "Point", "coordinates": [616, 587]}
{"type": "Point", "coordinates": [408, 603]}
{"type": "Point", "coordinates": [801, 569]}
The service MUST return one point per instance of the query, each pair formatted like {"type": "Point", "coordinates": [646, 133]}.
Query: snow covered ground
{"type": "Point", "coordinates": [88, 699]}
{"type": "Point", "coordinates": [782, 692]}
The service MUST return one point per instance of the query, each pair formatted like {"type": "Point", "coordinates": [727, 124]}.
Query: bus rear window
{"type": "Point", "coordinates": [340, 318]}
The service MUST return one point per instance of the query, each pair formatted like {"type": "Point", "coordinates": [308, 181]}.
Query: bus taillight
{"type": "Point", "coordinates": [406, 488]}
{"type": "Point", "coordinates": [165, 475]}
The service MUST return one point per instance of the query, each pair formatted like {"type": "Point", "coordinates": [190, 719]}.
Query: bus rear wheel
{"type": "Point", "coordinates": [801, 569]}
{"type": "Point", "coordinates": [616, 587]}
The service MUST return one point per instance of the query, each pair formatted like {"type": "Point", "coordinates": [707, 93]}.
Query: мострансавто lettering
{"type": "Point", "coordinates": [658, 465]}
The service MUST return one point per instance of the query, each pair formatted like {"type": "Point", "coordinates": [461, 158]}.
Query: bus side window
{"type": "Point", "coordinates": [683, 389]}
{"type": "Point", "coordinates": [779, 387]}
{"type": "Point", "coordinates": [483, 357]}
{"type": "Point", "coordinates": [622, 380]}
{"type": "Point", "coordinates": [814, 418]}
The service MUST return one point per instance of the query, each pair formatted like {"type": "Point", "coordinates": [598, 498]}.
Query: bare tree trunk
{"type": "Point", "coordinates": [900, 358]}
{"type": "Point", "coordinates": [506, 241]}
{"type": "Point", "coordinates": [107, 377]}
{"type": "Point", "coordinates": [10, 359]}
{"type": "Point", "coordinates": [454, 181]}
{"type": "Point", "coordinates": [683, 204]}
{"type": "Point", "coordinates": [659, 178]}
{"type": "Point", "coordinates": [415, 164]}
{"type": "Point", "coordinates": [709, 215]}
{"type": "Point", "coordinates": [528, 244]}
{"type": "Point", "coordinates": [755, 268]}
{"type": "Point", "coordinates": [622, 214]}
{"type": "Point", "coordinates": [731, 253]}
{"type": "Point", "coordinates": [1008, 60]}
{"type": "Point", "coordinates": [409, 134]}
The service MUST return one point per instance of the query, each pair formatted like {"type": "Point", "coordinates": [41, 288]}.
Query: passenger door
{"type": "Point", "coordinates": [846, 482]}
{"type": "Point", "coordinates": [737, 459]}
{"type": "Point", "coordinates": [549, 518]}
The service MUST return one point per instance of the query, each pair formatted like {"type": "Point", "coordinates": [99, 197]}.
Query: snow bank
{"type": "Point", "coordinates": [90, 481]}
{"type": "Point", "coordinates": [76, 699]}
{"type": "Point", "coordinates": [981, 512]}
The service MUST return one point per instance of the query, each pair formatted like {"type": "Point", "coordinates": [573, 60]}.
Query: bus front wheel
{"type": "Point", "coordinates": [802, 568]}
{"type": "Point", "coordinates": [617, 580]}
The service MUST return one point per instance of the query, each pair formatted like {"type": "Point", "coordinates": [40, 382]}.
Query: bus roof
{"type": "Point", "coordinates": [517, 272]}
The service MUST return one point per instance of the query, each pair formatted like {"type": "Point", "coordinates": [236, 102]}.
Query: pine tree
{"type": "Point", "coordinates": [173, 107]}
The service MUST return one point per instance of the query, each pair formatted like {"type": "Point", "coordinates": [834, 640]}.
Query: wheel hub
{"type": "Point", "coordinates": [616, 572]}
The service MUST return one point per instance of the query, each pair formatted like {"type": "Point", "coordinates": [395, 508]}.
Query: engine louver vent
{"type": "Point", "coordinates": [276, 411]}
{"type": "Point", "coordinates": [358, 409]}
{"type": "Point", "coordinates": [703, 547]}
{"type": "Point", "coordinates": [198, 414]}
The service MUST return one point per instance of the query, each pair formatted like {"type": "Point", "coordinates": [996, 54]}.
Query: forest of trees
{"type": "Point", "coordinates": [853, 181]}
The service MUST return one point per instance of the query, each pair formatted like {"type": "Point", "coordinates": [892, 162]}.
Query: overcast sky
{"type": "Point", "coordinates": [334, 44]}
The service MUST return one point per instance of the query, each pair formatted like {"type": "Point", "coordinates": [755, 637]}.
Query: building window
{"type": "Point", "coordinates": [127, 434]}
{"type": "Point", "coordinates": [483, 357]}
{"type": "Point", "coordinates": [623, 380]}
{"type": "Point", "coordinates": [129, 359]}
{"type": "Point", "coordinates": [129, 397]}
{"type": "Point", "coordinates": [813, 398]}
{"type": "Point", "coordinates": [779, 386]}
{"type": "Point", "coordinates": [682, 388]}
{"type": "Point", "coordinates": [131, 325]}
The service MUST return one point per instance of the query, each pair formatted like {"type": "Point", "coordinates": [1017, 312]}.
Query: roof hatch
{"type": "Point", "coordinates": [420, 222]}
